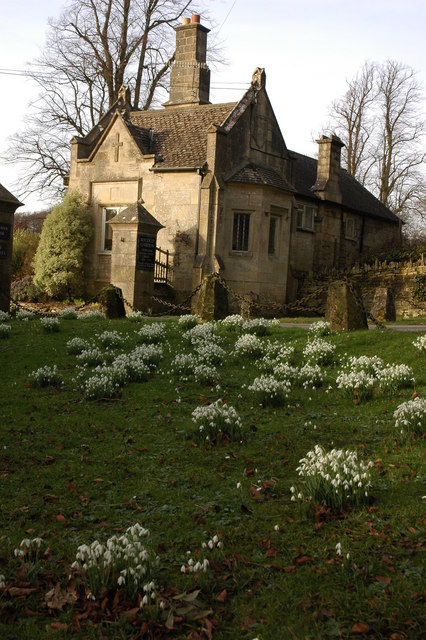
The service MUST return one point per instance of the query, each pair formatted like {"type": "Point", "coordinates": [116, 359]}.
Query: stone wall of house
{"type": "Point", "coordinates": [327, 246]}
{"type": "Point", "coordinates": [172, 198]}
{"type": "Point", "coordinates": [256, 270]}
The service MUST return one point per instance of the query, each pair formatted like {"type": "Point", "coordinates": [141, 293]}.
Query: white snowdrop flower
{"type": "Point", "coordinates": [210, 544]}
{"type": "Point", "coordinates": [300, 496]}
{"type": "Point", "coordinates": [144, 600]}
{"type": "Point", "coordinates": [162, 604]}
{"type": "Point", "coordinates": [203, 545]}
{"type": "Point", "coordinates": [238, 485]}
{"type": "Point", "coordinates": [293, 498]}
{"type": "Point", "coordinates": [292, 489]}
{"type": "Point", "coordinates": [338, 549]}
{"type": "Point", "coordinates": [276, 527]}
{"type": "Point", "coordinates": [121, 580]}
{"type": "Point", "coordinates": [183, 569]}
{"type": "Point", "coordinates": [348, 555]}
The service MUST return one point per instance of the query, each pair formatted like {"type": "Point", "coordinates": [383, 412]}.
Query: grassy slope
{"type": "Point", "coordinates": [105, 465]}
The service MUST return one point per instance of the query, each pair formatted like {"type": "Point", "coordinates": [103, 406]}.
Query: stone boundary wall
{"type": "Point", "coordinates": [399, 277]}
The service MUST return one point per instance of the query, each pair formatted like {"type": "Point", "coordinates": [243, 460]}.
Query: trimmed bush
{"type": "Point", "coordinates": [59, 260]}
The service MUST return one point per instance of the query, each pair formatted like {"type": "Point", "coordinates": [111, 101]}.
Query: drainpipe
{"type": "Point", "coordinates": [197, 235]}
{"type": "Point", "coordinates": [361, 240]}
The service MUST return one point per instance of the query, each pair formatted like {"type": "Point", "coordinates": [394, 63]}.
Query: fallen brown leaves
{"type": "Point", "coordinates": [57, 598]}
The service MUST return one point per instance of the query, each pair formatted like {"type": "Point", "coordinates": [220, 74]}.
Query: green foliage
{"type": "Point", "coordinates": [419, 288]}
{"type": "Point", "coordinates": [59, 260]}
{"type": "Point", "coordinates": [25, 243]}
{"type": "Point", "coordinates": [27, 290]}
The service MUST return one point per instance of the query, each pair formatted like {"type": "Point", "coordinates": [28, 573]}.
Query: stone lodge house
{"type": "Point", "coordinates": [221, 188]}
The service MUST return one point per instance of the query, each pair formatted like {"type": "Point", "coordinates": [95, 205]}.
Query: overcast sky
{"type": "Point", "coordinates": [307, 47]}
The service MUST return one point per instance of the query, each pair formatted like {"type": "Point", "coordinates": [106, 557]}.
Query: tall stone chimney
{"type": "Point", "coordinates": [190, 75]}
{"type": "Point", "coordinates": [327, 185]}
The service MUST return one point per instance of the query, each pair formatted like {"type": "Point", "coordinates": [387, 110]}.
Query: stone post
{"type": "Point", "coordinates": [345, 311]}
{"type": "Point", "coordinates": [8, 206]}
{"type": "Point", "coordinates": [134, 239]}
{"type": "Point", "coordinates": [383, 307]}
{"type": "Point", "coordinates": [212, 301]}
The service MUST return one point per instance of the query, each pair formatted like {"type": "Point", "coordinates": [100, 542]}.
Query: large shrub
{"type": "Point", "coordinates": [59, 260]}
{"type": "Point", "coordinates": [25, 243]}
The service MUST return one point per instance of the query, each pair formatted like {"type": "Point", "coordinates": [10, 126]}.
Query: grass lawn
{"type": "Point", "coordinates": [74, 470]}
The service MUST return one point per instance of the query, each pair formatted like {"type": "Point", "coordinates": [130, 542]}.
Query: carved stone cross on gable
{"type": "Point", "coordinates": [116, 146]}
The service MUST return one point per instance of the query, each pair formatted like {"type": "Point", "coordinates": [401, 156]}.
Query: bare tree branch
{"type": "Point", "coordinates": [381, 122]}
{"type": "Point", "coordinates": [91, 50]}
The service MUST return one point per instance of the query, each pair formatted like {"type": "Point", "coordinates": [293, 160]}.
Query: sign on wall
{"type": "Point", "coordinates": [145, 257]}
{"type": "Point", "coordinates": [5, 230]}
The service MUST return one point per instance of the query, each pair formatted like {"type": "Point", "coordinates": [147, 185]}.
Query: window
{"type": "Point", "coordinates": [106, 232]}
{"type": "Point", "coordinates": [350, 228]}
{"type": "Point", "coordinates": [274, 222]}
{"type": "Point", "coordinates": [305, 217]}
{"type": "Point", "coordinates": [240, 232]}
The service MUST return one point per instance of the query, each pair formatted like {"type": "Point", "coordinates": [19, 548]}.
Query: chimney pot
{"type": "Point", "coordinates": [195, 18]}
{"type": "Point", "coordinates": [186, 20]}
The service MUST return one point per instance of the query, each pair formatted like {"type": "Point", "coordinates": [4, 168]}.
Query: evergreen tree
{"type": "Point", "coordinates": [59, 261]}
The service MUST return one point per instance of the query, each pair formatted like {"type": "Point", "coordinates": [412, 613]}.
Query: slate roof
{"type": "Point", "coordinates": [252, 173]}
{"type": "Point", "coordinates": [179, 133]}
{"type": "Point", "coordinates": [135, 213]}
{"type": "Point", "coordinates": [354, 195]}
{"type": "Point", "coordinates": [6, 196]}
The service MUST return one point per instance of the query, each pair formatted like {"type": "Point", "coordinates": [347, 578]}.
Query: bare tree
{"type": "Point", "coordinates": [381, 122]}
{"type": "Point", "coordinates": [91, 50]}
{"type": "Point", "coordinates": [353, 117]}
{"type": "Point", "coordinates": [399, 153]}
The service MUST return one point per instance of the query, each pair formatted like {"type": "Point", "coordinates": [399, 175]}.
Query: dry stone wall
{"type": "Point", "coordinates": [405, 280]}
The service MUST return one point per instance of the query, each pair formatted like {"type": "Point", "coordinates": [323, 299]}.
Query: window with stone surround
{"type": "Point", "coordinates": [350, 229]}
{"type": "Point", "coordinates": [305, 217]}
{"type": "Point", "coordinates": [274, 225]}
{"type": "Point", "coordinates": [240, 232]}
{"type": "Point", "coordinates": [106, 231]}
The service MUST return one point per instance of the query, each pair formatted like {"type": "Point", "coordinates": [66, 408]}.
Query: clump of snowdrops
{"type": "Point", "coordinates": [68, 314]}
{"type": "Point", "coordinates": [248, 346]}
{"type": "Point", "coordinates": [49, 325]}
{"type": "Point", "coordinates": [319, 351]}
{"type": "Point", "coordinates": [271, 391]}
{"type": "Point", "coordinates": [320, 328]}
{"type": "Point", "coordinates": [46, 376]}
{"type": "Point", "coordinates": [187, 321]}
{"type": "Point", "coordinates": [152, 333]}
{"type": "Point", "coordinates": [410, 417]}
{"type": "Point", "coordinates": [125, 561]}
{"type": "Point", "coordinates": [420, 343]}
{"type": "Point", "coordinates": [217, 421]}
{"type": "Point", "coordinates": [5, 330]}
{"type": "Point", "coordinates": [334, 479]}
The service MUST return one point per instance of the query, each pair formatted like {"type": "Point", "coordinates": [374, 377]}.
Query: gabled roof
{"type": "Point", "coordinates": [252, 173]}
{"type": "Point", "coordinates": [135, 213]}
{"type": "Point", "coordinates": [6, 196]}
{"type": "Point", "coordinates": [179, 134]}
{"type": "Point", "coordinates": [354, 195]}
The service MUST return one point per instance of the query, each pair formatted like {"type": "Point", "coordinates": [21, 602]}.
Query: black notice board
{"type": "Point", "coordinates": [5, 230]}
{"type": "Point", "coordinates": [145, 257]}
{"type": "Point", "coordinates": [3, 250]}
